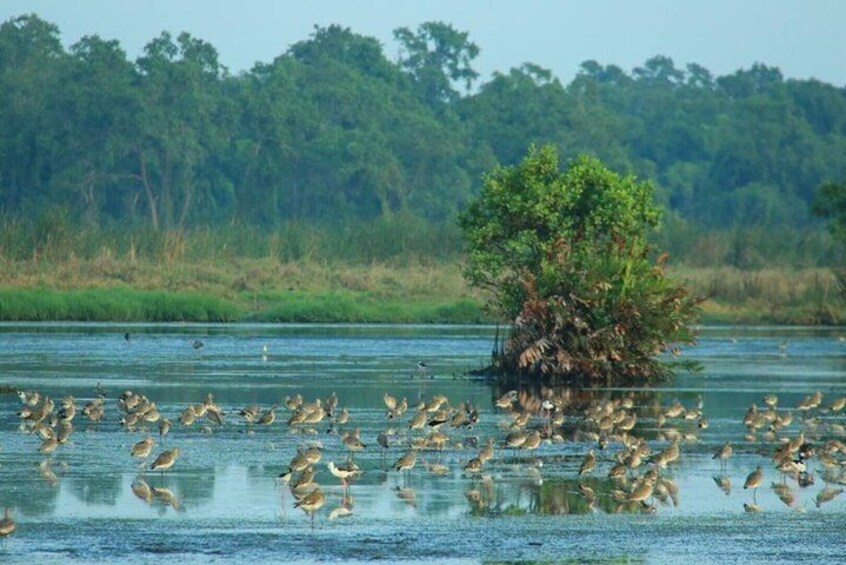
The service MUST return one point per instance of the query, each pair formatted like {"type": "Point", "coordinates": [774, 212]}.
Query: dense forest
{"type": "Point", "coordinates": [333, 132]}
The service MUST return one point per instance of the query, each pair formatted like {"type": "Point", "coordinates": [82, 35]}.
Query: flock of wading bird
{"type": "Point", "coordinates": [621, 434]}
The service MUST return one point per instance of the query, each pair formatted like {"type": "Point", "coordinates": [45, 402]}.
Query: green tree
{"type": "Point", "coordinates": [31, 55]}
{"type": "Point", "coordinates": [99, 106]}
{"type": "Point", "coordinates": [566, 259]}
{"type": "Point", "coordinates": [436, 57]}
{"type": "Point", "coordinates": [179, 88]}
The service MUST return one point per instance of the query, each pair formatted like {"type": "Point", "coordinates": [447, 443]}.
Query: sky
{"type": "Point", "coordinates": [803, 38]}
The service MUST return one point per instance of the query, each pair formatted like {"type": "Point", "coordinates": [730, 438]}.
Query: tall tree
{"type": "Point", "coordinates": [437, 56]}
{"type": "Point", "coordinates": [179, 84]}
{"type": "Point", "coordinates": [99, 106]}
{"type": "Point", "coordinates": [30, 57]}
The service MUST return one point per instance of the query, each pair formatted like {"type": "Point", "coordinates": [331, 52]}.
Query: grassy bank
{"type": "Point", "coordinates": [112, 304]}
{"type": "Point", "coordinates": [266, 290]}
{"type": "Point", "coordinates": [773, 296]}
{"type": "Point", "coordinates": [301, 274]}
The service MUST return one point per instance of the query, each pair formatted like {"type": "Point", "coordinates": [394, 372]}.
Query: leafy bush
{"type": "Point", "coordinates": [566, 258]}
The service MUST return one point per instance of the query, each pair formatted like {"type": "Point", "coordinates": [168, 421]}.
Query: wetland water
{"type": "Point", "coordinates": [78, 505]}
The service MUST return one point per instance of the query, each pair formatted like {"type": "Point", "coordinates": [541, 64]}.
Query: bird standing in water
{"type": "Point", "coordinates": [723, 453]}
{"type": "Point", "coordinates": [165, 460]}
{"type": "Point", "coordinates": [753, 481]}
{"type": "Point", "coordinates": [311, 503]}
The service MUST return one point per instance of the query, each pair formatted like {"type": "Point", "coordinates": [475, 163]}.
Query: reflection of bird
{"type": "Point", "coordinates": [341, 511]}
{"type": "Point", "coordinates": [142, 490]}
{"type": "Point", "coordinates": [382, 441]}
{"type": "Point", "coordinates": [198, 344]}
{"type": "Point", "coordinates": [723, 482]}
{"type": "Point", "coordinates": [165, 460]}
{"type": "Point", "coordinates": [407, 495]}
{"type": "Point", "coordinates": [588, 494]}
{"type": "Point", "coordinates": [167, 496]}
{"type": "Point", "coordinates": [827, 494]}
{"type": "Point", "coordinates": [7, 524]}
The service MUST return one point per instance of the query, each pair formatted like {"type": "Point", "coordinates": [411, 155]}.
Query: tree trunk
{"type": "Point", "coordinates": [148, 191]}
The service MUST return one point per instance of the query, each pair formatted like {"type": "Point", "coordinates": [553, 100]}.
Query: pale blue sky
{"type": "Point", "coordinates": [804, 38]}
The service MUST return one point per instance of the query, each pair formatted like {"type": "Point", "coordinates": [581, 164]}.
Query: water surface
{"type": "Point", "coordinates": [77, 505]}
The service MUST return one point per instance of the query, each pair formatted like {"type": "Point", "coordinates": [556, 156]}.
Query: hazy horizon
{"type": "Point", "coordinates": [802, 39]}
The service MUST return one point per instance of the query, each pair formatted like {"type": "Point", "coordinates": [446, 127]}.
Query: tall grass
{"type": "Point", "coordinates": [391, 270]}
{"type": "Point", "coordinates": [117, 304]}
{"type": "Point", "coordinates": [803, 296]}
{"type": "Point", "coordinates": [399, 238]}
{"type": "Point", "coordinates": [750, 248]}
{"type": "Point", "coordinates": [364, 307]}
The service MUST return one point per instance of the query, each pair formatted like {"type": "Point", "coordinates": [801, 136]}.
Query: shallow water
{"type": "Point", "coordinates": [78, 504]}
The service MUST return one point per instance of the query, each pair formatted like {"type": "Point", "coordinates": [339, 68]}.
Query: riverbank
{"type": "Point", "coordinates": [268, 290]}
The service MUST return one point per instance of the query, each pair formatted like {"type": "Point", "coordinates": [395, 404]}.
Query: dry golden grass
{"type": "Point", "coordinates": [810, 296]}
{"type": "Point", "coordinates": [735, 295]}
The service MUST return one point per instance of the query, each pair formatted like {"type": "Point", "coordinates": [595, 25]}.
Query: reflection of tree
{"type": "Point", "coordinates": [96, 489]}
{"type": "Point", "coordinates": [263, 472]}
{"type": "Point", "coordinates": [572, 399]}
{"type": "Point", "coordinates": [552, 497]}
{"type": "Point", "coordinates": [34, 498]}
{"type": "Point", "coordinates": [544, 403]}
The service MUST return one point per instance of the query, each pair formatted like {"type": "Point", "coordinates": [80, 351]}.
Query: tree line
{"type": "Point", "coordinates": [333, 131]}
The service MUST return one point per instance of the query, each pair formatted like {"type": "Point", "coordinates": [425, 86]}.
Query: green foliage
{"type": "Point", "coordinates": [526, 213]}
{"type": "Point", "coordinates": [332, 132]}
{"type": "Point", "coordinates": [437, 56]}
{"type": "Point", "coordinates": [566, 258]}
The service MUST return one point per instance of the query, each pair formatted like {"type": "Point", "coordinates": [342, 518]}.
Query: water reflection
{"type": "Point", "coordinates": [97, 489]}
